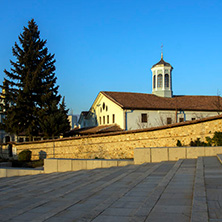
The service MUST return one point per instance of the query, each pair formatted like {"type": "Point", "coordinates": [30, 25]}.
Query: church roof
{"type": "Point", "coordinates": [162, 62]}
{"type": "Point", "coordinates": [142, 101]}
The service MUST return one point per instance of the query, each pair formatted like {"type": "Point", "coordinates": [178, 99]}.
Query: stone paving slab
{"type": "Point", "coordinates": [213, 186]}
{"type": "Point", "coordinates": [147, 192]}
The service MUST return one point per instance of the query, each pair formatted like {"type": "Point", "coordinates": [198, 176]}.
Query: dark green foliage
{"type": "Point", "coordinates": [25, 156]}
{"type": "Point", "coordinates": [197, 142]}
{"type": "Point", "coordinates": [28, 164]}
{"type": "Point", "coordinates": [209, 141]}
{"type": "Point", "coordinates": [179, 143]}
{"type": "Point", "coordinates": [31, 88]}
{"type": "Point", "coordinates": [217, 139]}
{"type": "Point", "coordinates": [54, 115]}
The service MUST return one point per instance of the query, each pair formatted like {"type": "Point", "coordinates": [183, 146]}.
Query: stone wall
{"type": "Point", "coordinates": [121, 145]}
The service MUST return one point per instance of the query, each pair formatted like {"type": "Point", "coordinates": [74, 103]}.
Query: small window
{"type": "Point", "coordinates": [100, 109]}
{"type": "Point", "coordinates": [193, 119]}
{"type": "Point", "coordinates": [154, 81]}
{"type": "Point", "coordinates": [104, 105]}
{"type": "Point", "coordinates": [166, 80]}
{"type": "Point", "coordinates": [159, 80]}
{"type": "Point", "coordinates": [144, 118]}
{"type": "Point", "coordinates": [169, 120]}
{"type": "Point", "coordinates": [181, 120]}
{"type": "Point", "coordinates": [113, 118]}
{"type": "Point", "coordinates": [107, 119]}
{"type": "Point", "coordinates": [106, 108]}
{"type": "Point", "coordinates": [21, 140]}
{"type": "Point", "coordinates": [100, 120]}
{"type": "Point", "coordinates": [104, 119]}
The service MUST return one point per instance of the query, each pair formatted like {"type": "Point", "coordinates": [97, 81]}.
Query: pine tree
{"type": "Point", "coordinates": [54, 115]}
{"type": "Point", "coordinates": [32, 85]}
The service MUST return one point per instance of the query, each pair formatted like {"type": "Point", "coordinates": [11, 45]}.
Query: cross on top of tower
{"type": "Point", "coordinates": [162, 51]}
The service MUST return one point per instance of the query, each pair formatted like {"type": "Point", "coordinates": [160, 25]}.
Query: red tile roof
{"type": "Point", "coordinates": [94, 130]}
{"type": "Point", "coordinates": [142, 101]}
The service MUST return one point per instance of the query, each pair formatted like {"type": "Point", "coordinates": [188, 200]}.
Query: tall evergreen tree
{"type": "Point", "coordinates": [32, 84]}
{"type": "Point", "coordinates": [54, 115]}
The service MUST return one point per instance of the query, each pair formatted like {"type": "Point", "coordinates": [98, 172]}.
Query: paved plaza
{"type": "Point", "coordinates": [186, 190]}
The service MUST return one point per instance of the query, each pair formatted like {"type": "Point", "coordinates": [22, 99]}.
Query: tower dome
{"type": "Point", "coordinates": [162, 78]}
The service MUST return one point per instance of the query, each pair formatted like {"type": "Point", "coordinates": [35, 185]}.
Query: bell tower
{"type": "Point", "coordinates": [162, 78]}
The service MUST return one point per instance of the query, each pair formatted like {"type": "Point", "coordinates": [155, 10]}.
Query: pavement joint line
{"type": "Point", "coordinates": [138, 196]}
{"type": "Point", "coordinates": [27, 188]}
{"type": "Point", "coordinates": [86, 196]}
{"type": "Point", "coordinates": [219, 157]}
{"type": "Point", "coordinates": [32, 190]}
{"type": "Point", "coordinates": [199, 206]}
{"type": "Point", "coordinates": [33, 180]}
{"type": "Point", "coordinates": [20, 212]}
{"type": "Point", "coordinates": [42, 184]}
{"type": "Point", "coordinates": [157, 192]}
{"type": "Point", "coordinates": [67, 192]}
{"type": "Point", "coordinates": [107, 203]}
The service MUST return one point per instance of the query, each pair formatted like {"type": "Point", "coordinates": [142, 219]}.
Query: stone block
{"type": "Point", "coordinates": [34, 172]}
{"type": "Point", "coordinates": [141, 155]}
{"type": "Point", "coordinates": [79, 165]}
{"type": "Point", "coordinates": [159, 154]}
{"type": "Point", "coordinates": [195, 152]}
{"type": "Point", "coordinates": [213, 150]}
{"type": "Point", "coordinates": [177, 153]}
{"type": "Point", "coordinates": [124, 162]}
{"type": "Point", "coordinates": [64, 165]}
{"type": "Point", "coordinates": [3, 173]}
{"type": "Point", "coordinates": [23, 172]}
{"type": "Point", "coordinates": [50, 165]}
{"type": "Point", "coordinates": [12, 172]}
{"type": "Point", "coordinates": [109, 163]}
{"type": "Point", "coordinates": [93, 164]}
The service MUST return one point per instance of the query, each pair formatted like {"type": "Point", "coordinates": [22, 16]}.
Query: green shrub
{"type": "Point", "coordinates": [25, 156]}
{"type": "Point", "coordinates": [197, 142]}
{"type": "Point", "coordinates": [209, 141]}
{"type": "Point", "coordinates": [217, 139]}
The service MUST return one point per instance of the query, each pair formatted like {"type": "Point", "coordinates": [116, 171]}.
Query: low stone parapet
{"type": "Point", "coordinates": [10, 172]}
{"type": "Point", "coordinates": [64, 165]}
{"type": "Point", "coordinates": [158, 154]}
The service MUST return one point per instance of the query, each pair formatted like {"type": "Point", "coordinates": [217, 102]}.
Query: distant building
{"type": "Point", "coordinates": [73, 119]}
{"type": "Point", "coordinates": [4, 137]}
{"type": "Point", "coordinates": [85, 120]}
{"type": "Point", "coordinates": [139, 110]}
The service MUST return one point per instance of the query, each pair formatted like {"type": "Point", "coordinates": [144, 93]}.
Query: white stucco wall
{"type": "Point", "coordinates": [159, 118]}
{"type": "Point", "coordinates": [105, 108]}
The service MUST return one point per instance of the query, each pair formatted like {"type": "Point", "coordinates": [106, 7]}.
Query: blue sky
{"type": "Point", "coordinates": [110, 45]}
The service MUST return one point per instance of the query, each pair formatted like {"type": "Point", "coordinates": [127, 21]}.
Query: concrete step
{"type": "Point", "coordinates": [219, 157]}
{"type": "Point", "coordinates": [207, 194]}
{"type": "Point", "coordinates": [213, 187]}
{"type": "Point", "coordinates": [186, 190]}
{"type": "Point", "coordinates": [199, 203]}
{"type": "Point", "coordinates": [174, 195]}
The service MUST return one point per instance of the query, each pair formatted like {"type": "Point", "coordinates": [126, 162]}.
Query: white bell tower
{"type": "Point", "coordinates": [162, 78]}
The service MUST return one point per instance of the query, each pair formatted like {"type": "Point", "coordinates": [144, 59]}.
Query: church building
{"type": "Point", "coordinates": [140, 110]}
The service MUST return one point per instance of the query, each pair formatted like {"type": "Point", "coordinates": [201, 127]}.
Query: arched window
{"type": "Point", "coordinates": [159, 80]}
{"type": "Point", "coordinates": [166, 80]}
{"type": "Point", "coordinates": [154, 81]}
